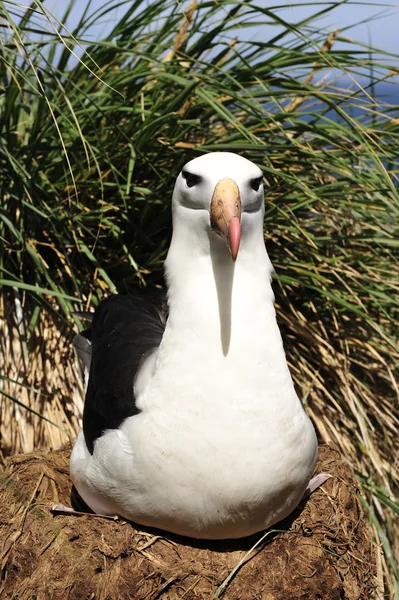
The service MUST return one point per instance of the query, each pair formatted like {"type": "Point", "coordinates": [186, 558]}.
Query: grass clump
{"type": "Point", "coordinates": [93, 133]}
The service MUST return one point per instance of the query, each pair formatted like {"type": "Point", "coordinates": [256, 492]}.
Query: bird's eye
{"type": "Point", "coordinates": [256, 183]}
{"type": "Point", "coordinates": [191, 179]}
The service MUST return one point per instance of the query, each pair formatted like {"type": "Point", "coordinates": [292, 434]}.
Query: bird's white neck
{"type": "Point", "coordinates": [222, 320]}
{"type": "Point", "coordinates": [222, 307]}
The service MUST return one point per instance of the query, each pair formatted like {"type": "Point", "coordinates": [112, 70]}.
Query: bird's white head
{"type": "Point", "coordinates": [218, 201]}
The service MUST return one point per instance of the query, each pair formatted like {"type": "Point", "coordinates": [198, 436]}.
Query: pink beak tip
{"type": "Point", "coordinates": [234, 229]}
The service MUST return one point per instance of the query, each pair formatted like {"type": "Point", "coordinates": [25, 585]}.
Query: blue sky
{"type": "Point", "coordinates": [381, 31]}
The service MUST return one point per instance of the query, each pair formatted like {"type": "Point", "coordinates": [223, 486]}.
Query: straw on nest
{"type": "Point", "coordinates": [324, 550]}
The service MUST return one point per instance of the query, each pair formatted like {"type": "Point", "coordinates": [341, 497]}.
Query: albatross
{"type": "Point", "coordinates": [193, 425]}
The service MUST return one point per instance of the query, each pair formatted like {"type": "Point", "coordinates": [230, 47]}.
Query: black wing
{"type": "Point", "coordinates": [124, 330]}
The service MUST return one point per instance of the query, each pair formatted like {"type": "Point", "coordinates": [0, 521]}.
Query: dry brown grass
{"type": "Point", "coordinates": [41, 375]}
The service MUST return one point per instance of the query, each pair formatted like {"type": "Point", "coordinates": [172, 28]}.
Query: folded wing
{"type": "Point", "coordinates": [124, 331]}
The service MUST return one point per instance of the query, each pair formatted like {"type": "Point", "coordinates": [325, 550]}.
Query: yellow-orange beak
{"type": "Point", "coordinates": [226, 213]}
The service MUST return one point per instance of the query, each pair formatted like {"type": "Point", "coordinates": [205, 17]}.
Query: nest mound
{"type": "Point", "coordinates": [323, 550]}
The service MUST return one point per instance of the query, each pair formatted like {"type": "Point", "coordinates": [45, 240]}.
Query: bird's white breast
{"type": "Point", "coordinates": [220, 451]}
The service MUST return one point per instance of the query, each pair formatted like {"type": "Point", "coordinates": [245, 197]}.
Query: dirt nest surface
{"type": "Point", "coordinates": [324, 550]}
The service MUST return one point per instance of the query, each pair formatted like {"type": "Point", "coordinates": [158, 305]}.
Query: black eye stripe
{"type": "Point", "coordinates": [256, 183]}
{"type": "Point", "coordinates": [191, 178]}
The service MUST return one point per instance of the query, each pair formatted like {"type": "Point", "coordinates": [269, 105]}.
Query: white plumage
{"type": "Point", "coordinates": [221, 446]}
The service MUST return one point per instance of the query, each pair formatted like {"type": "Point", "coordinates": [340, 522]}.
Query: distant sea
{"type": "Point", "coordinates": [385, 94]}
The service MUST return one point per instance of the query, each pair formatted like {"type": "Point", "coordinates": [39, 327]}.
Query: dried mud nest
{"type": "Point", "coordinates": [324, 550]}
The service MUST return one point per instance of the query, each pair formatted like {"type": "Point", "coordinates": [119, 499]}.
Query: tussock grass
{"type": "Point", "coordinates": [93, 134]}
